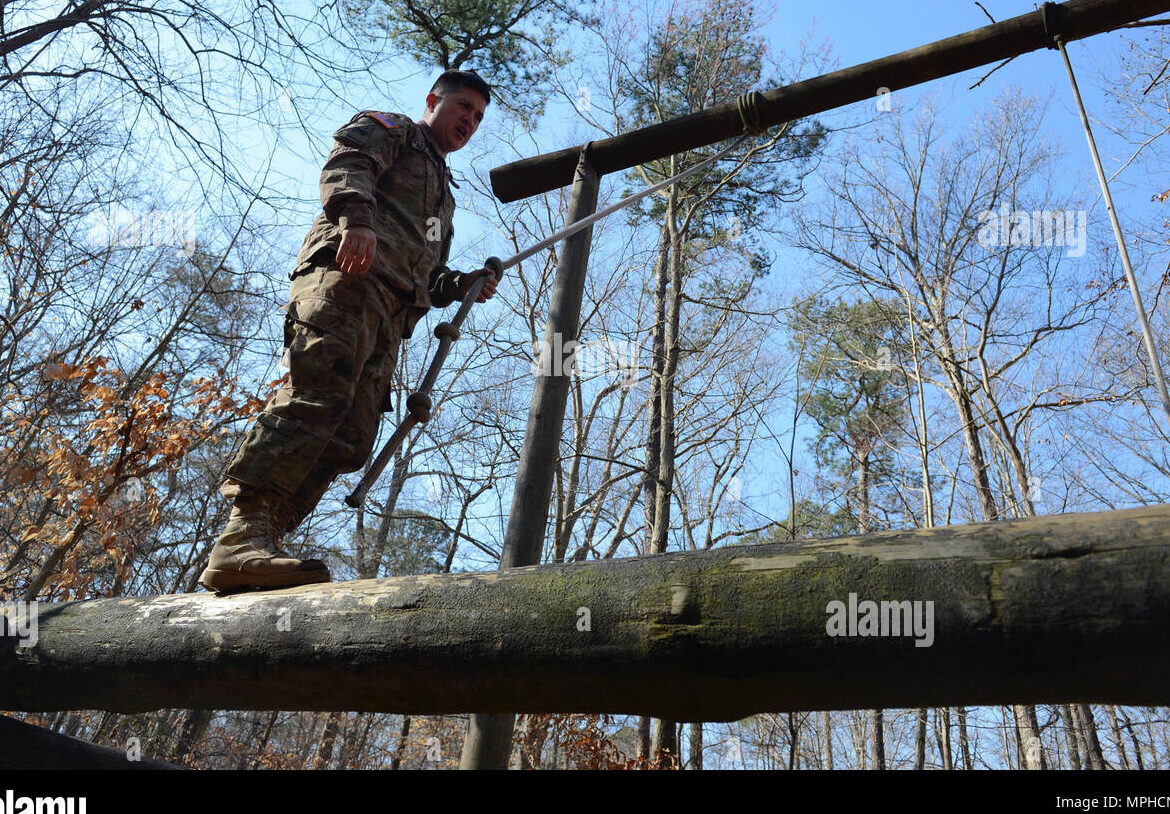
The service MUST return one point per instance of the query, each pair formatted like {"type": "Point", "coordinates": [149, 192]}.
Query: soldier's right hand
{"type": "Point", "coordinates": [355, 255]}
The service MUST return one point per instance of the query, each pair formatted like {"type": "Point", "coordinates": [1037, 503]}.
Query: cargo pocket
{"type": "Point", "coordinates": [285, 426]}
{"type": "Point", "coordinates": [325, 317]}
{"type": "Point", "coordinates": [276, 454]}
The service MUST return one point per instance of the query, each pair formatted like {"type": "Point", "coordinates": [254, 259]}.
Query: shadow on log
{"type": "Point", "coordinates": [1064, 608]}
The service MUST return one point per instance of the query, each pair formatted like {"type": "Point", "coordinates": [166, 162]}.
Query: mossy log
{"type": "Point", "coordinates": [1064, 608]}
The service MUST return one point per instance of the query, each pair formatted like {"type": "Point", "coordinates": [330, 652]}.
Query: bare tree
{"type": "Point", "coordinates": [915, 222]}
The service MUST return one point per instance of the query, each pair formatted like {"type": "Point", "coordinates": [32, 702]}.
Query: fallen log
{"type": "Point", "coordinates": [1063, 608]}
{"type": "Point", "coordinates": [24, 746]}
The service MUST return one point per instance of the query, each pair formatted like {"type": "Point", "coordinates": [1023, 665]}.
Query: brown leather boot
{"type": "Point", "coordinates": [247, 556]}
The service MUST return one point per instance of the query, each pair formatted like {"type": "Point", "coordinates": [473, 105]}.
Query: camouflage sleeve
{"type": "Point", "coordinates": [444, 283]}
{"type": "Point", "coordinates": [362, 151]}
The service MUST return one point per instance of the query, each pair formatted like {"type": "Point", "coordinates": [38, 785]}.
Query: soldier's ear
{"type": "Point", "coordinates": [432, 101]}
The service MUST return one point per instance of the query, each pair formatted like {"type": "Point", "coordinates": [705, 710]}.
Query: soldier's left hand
{"type": "Point", "coordinates": [356, 252]}
{"type": "Point", "coordinates": [489, 287]}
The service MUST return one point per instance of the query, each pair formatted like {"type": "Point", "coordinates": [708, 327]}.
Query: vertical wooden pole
{"type": "Point", "coordinates": [489, 737]}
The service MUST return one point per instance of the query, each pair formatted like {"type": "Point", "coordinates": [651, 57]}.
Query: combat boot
{"type": "Point", "coordinates": [247, 556]}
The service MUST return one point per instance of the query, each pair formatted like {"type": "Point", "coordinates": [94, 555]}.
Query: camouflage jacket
{"type": "Point", "coordinates": [386, 172]}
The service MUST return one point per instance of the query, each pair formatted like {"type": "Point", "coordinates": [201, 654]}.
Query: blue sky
{"type": "Point", "coordinates": [859, 32]}
{"type": "Point", "coordinates": [854, 31]}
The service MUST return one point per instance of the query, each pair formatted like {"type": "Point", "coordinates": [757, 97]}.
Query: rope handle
{"type": "Point", "coordinates": [419, 403]}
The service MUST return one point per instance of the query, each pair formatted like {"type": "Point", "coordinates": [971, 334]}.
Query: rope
{"type": "Point", "coordinates": [577, 226]}
{"type": "Point", "coordinates": [1147, 331]}
{"type": "Point", "coordinates": [748, 105]}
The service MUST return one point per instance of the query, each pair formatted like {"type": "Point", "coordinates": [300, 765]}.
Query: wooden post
{"type": "Point", "coordinates": [489, 737]}
{"type": "Point", "coordinates": [983, 46]}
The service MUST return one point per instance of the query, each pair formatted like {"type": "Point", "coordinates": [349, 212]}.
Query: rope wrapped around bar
{"type": "Point", "coordinates": [1051, 16]}
{"type": "Point", "coordinates": [748, 105]}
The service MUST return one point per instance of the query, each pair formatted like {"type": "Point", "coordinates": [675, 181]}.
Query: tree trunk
{"type": "Point", "coordinates": [964, 744]}
{"type": "Point", "coordinates": [1070, 737]}
{"type": "Point", "coordinates": [194, 725]}
{"type": "Point", "coordinates": [695, 747]}
{"type": "Point", "coordinates": [942, 719]}
{"type": "Point", "coordinates": [663, 741]}
{"type": "Point", "coordinates": [920, 739]}
{"type": "Point", "coordinates": [1031, 749]}
{"type": "Point", "coordinates": [876, 720]}
{"type": "Point", "coordinates": [1137, 747]}
{"type": "Point", "coordinates": [272, 719]}
{"type": "Point", "coordinates": [1090, 744]}
{"type": "Point", "coordinates": [400, 748]}
{"type": "Point", "coordinates": [827, 737]}
{"type": "Point", "coordinates": [657, 366]}
{"type": "Point", "coordinates": [1118, 741]}
{"type": "Point", "coordinates": [327, 740]}
{"type": "Point", "coordinates": [961, 396]}
{"type": "Point", "coordinates": [644, 737]}
{"type": "Point", "coordinates": [670, 351]}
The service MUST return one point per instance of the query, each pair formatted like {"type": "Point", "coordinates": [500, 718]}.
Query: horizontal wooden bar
{"type": "Point", "coordinates": [1077, 19]}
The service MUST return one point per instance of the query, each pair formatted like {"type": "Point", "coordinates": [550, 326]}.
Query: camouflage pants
{"type": "Point", "coordinates": [342, 332]}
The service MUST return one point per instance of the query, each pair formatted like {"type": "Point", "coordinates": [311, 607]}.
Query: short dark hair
{"type": "Point", "coordinates": [453, 81]}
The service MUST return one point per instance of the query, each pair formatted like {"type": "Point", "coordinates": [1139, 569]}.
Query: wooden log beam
{"type": "Point", "coordinates": [1065, 608]}
{"type": "Point", "coordinates": [1019, 35]}
{"type": "Point", "coordinates": [24, 746]}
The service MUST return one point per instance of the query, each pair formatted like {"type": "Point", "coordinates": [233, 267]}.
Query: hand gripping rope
{"type": "Point", "coordinates": [418, 404]}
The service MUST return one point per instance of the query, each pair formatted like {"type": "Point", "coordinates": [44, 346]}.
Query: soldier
{"type": "Point", "coordinates": [372, 264]}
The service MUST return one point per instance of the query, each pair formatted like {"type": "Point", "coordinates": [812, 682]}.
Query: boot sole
{"type": "Point", "coordinates": [227, 581]}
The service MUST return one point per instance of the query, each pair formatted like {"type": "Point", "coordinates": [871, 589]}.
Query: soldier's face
{"type": "Point", "coordinates": [454, 118]}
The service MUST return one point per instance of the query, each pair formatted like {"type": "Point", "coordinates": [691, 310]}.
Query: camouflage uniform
{"type": "Point", "coordinates": [342, 331]}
